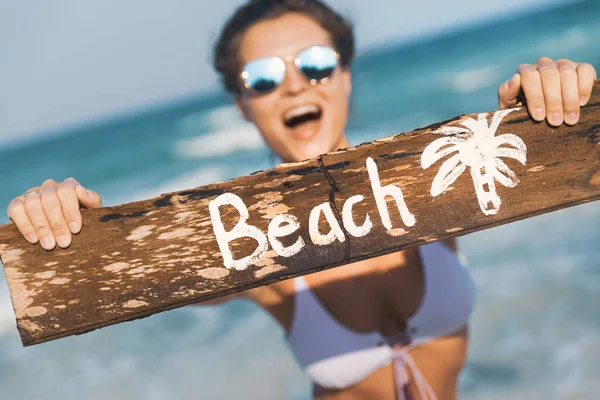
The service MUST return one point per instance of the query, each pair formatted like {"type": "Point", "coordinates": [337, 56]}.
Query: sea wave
{"type": "Point", "coordinates": [471, 80]}
{"type": "Point", "coordinates": [216, 132]}
{"type": "Point", "coordinates": [219, 143]}
{"type": "Point", "coordinates": [9, 141]}
{"type": "Point", "coordinates": [571, 39]}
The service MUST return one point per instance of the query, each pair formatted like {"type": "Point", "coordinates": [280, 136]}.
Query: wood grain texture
{"type": "Point", "coordinates": [137, 259]}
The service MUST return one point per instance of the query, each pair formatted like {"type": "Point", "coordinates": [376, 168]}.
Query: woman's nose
{"type": "Point", "coordinates": [294, 82]}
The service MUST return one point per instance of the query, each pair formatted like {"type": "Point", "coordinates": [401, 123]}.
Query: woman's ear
{"type": "Point", "coordinates": [242, 107]}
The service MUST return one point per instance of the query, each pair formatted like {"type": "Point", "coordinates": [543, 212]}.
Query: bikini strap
{"type": "Point", "coordinates": [300, 284]}
{"type": "Point", "coordinates": [403, 362]}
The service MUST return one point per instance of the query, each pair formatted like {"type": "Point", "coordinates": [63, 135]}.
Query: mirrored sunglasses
{"type": "Point", "coordinates": [264, 75]}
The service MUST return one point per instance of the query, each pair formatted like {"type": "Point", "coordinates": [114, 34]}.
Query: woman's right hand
{"type": "Point", "coordinates": [50, 213]}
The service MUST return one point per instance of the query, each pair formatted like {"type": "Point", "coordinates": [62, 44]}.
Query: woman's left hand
{"type": "Point", "coordinates": [554, 90]}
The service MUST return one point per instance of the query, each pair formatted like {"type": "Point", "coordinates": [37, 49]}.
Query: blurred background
{"type": "Point", "coordinates": [121, 95]}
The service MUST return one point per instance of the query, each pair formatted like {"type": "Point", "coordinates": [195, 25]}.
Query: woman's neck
{"type": "Point", "coordinates": [340, 144]}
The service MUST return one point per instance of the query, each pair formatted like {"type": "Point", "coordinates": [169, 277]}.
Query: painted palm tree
{"type": "Point", "coordinates": [477, 147]}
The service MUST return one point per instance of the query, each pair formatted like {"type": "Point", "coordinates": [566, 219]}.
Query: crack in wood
{"type": "Point", "coordinates": [338, 165]}
{"type": "Point", "coordinates": [388, 157]}
{"type": "Point", "coordinates": [111, 217]}
{"type": "Point", "coordinates": [186, 196]}
{"type": "Point", "coordinates": [517, 121]}
{"type": "Point", "coordinates": [336, 212]}
{"type": "Point", "coordinates": [302, 171]}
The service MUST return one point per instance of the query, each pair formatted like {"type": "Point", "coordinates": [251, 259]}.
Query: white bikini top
{"type": "Point", "coordinates": [337, 357]}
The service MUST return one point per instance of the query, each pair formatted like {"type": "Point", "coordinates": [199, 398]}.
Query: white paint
{"type": "Point", "coordinates": [381, 193]}
{"type": "Point", "coordinates": [139, 233]}
{"type": "Point", "coordinates": [213, 273]}
{"type": "Point", "coordinates": [477, 147]}
{"type": "Point", "coordinates": [348, 219]}
{"type": "Point", "coordinates": [313, 226]}
{"type": "Point", "coordinates": [45, 274]}
{"type": "Point", "coordinates": [284, 225]}
{"type": "Point", "coordinates": [397, 232]}
{"type": "Point", "coordinates": [241, 229]}
{"type": "Point", "coordinates": [134, 304]}
{"type": "Point", "coordinates": [269, 269]}
{"type": "Point", "coordinates": [35, 311]}
{"type": "Point", "coordinates": [60, 281]}
{"type": "Point", "coordinates": [116, 267]}
{"type": "Point", "coordinates": [176, 234]}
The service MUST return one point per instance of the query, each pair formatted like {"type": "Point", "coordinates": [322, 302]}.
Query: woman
{"type": "Point", "coordinates": [385, 328]}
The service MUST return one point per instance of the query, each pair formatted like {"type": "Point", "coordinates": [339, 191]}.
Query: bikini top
{"type": "Point", "coordinates": [337, 357]}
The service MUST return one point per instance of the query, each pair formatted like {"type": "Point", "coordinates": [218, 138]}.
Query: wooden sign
{"type": "Point", "coordinates": [463, 175]}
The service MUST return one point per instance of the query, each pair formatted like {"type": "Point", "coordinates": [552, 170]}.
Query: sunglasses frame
{"type": "Point", "coordinates": [285, 60]}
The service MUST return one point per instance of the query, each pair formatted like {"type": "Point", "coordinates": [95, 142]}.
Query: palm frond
{"type": "Point", "coordinates": [452, 130]}
{"type": "Point", "coordinates": [499, 116]}
{"type": "Point", "coordinates": [477, 126]}
{"type": "Point", "coordinates": [518, 150]}
{"type": "Point", "coordinates": [433, 154]}
{"type": "Point", "coordinates": [504, 175]}
{"type": "Point", "coordinates": [449, 171]}
{"type": "Point", "coordinates": [510, 153]}
{"type": "Point", "coordinates": [511, 140]}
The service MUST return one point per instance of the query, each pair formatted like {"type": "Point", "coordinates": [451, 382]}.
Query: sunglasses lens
{"type": "Point", "coordinates": [263, 75]}
{"type": "Point", "coordinates": [317, 63]}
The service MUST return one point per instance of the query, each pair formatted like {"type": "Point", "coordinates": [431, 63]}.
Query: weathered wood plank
{"type": "Point", "coordinates": [136, 259]}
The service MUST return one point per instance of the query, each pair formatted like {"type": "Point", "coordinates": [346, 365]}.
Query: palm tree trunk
{"type": "Point", "coordinates": [485, 187]}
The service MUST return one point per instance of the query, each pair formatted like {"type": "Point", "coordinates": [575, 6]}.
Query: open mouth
{"type": "Point", "coordinates": [302, 115]}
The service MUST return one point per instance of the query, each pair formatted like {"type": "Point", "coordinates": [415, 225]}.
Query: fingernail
{"type": "Point", "coordinates": [582, 100]}
{"type": "Point", "coordinates": [47, 243]}
{"type": "Point", "coordinates": [556, 118]}
{"type": "Point", "coordinates": [572, 117]}
{"type": "Point", "coordinates": [507, 85]}
{"type": "Point", "coordinates": [62, 241]}
{"type": "Point", "coordinates": [539, 114]}
{"type": "Point", "coordinates": [89, 192]}
{"type": "Point", "coordinates": [73, 226]}
{"type": "Point", "coordinates": [32, 237]}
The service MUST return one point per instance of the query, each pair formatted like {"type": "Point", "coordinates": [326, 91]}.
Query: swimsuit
{"type": "Point", "coordinates": [337, 357]}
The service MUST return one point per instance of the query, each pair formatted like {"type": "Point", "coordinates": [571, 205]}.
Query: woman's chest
{"type": "Point", "coordinates": [364, 298]}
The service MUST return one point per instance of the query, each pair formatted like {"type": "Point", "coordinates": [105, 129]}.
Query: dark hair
{"type": "Point", "coordinates": [226, 60]}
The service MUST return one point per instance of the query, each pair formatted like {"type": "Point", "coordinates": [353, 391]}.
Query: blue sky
{"type": "Point", "coordinates": [67, 62]}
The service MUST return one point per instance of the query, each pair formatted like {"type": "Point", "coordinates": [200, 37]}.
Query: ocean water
{"type": "Point", "coordinates": [536, 328]}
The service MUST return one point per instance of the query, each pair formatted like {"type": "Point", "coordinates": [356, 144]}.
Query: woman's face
{"type": "Point", "coordinates": [275, 114]}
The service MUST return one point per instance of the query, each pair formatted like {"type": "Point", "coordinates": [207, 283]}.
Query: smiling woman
{"type": "Point", "coordinates": [383, 328]}
{"type": "Point", "coordinates": [292, 137]}
{"type": "Point", "coordinates": [307, 35]}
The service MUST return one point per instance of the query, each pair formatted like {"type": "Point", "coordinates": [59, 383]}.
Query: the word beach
{"type": "Point", "coordinates": [286, 224]}
{"type": "Point", "coordinates": [474, 145]}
